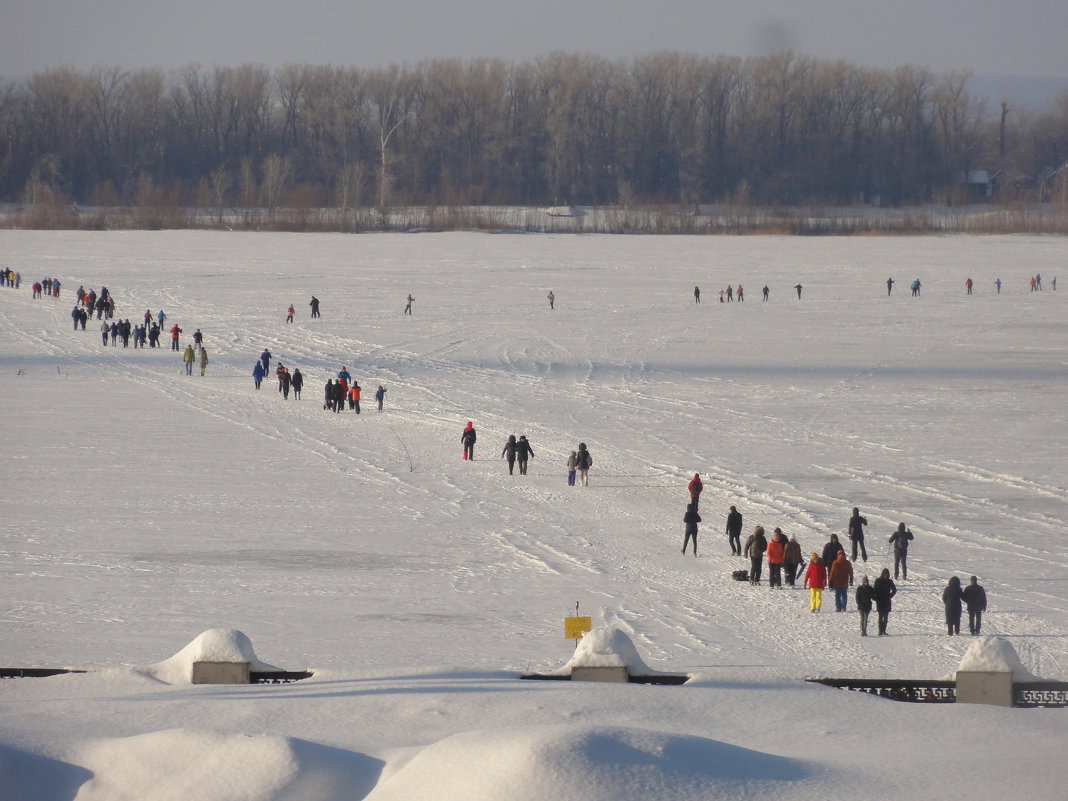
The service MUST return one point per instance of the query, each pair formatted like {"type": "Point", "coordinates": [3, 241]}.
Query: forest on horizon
{"type": "Point", "coordinates": [566, 129]}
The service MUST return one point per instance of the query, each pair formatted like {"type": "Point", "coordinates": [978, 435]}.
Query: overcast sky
{"type": "Point", "coordinates": [1021, 37]}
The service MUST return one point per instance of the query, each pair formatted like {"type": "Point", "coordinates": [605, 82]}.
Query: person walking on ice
{"type": "Point", "coordinates": [885, 590]}
{"type": "Point", "coordinates": [974, 597]}
{"type": "Point", "coordinates": [552, 299]}
{"type": "Point", "coordinates": [889, 286]}
{"type": "Point", "coordinates": [508, 453]}
{"type": "Point", "coordinates": [798, 287]}
{"type": "Point", "coordinates": [572, 466]}
{"type": "Point", "coordinates": [203, 360]}
{"type": "Point", "coordinates": [734, 531]}
{"type": "Point", "coordinates": [380, 395]}
{"type": "Point", "coordinates": [691, 519]}
{"type": "Point", "coordinates": [864, 596]}
{"type": "Point", "coordinates": [815, 581]}
{"type": "Point", "coordinates": [952, 598]}
{"type": "Point", "coordinates": [289, 313]}
{"type": "Point", "coordinates": [468, 439]}
{"type": "Point", "coordinates": [583, 465]}
{"type": "Point", "coordinates": [257, 374]}
{"type": "Point", "coordinates": [523, 452]}
{"type": "Point", "coordinates": [188, 357]}
{"type": "Point", "coordinates": [856, 534]}
{"type": "Point", "coordinates": [900, 540]}
{"type": "Point", "coordinates": [314, 303]}
{"type": "Point", "coordinates": [408, 306]}
{"type": "Point", "coordinates": [696, 488]}
{"type": "Point", "coordinates": [697, 294]}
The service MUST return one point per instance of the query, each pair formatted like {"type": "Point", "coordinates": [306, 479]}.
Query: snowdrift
{"type": "Point", "coordinates": [592, 763]}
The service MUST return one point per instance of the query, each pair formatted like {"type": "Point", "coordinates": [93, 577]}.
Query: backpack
{"type": "Point", "coordinates": [740, 575]}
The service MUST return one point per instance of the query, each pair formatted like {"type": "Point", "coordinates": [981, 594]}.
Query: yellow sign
{"type": "Point", "coordinates": [575, 627]}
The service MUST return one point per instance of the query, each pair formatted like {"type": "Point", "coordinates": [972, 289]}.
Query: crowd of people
{"type": "Point", "coordinates": [831, 568]}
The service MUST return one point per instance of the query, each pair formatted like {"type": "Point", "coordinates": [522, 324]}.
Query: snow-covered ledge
{"type": "Point", "coordinates": [217, 656]}
{"type": "Point", "coordinates": [987, 672]}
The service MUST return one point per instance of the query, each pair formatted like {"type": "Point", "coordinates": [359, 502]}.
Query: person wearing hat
{"type": "Point", "coordinates": [815, 581]}
{"type": "Point", "coordinates": [734, 531]}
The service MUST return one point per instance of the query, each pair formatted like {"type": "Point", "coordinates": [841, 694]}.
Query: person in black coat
{"type": "Point", "coordinates": [523, 452]}
{"type": "Point", "coordinates": [952, 598]}
{"type": "Point", "coordinates": [314, 303]}
{"type": "Point", "coordinates": [856, 534]}
{"type": "Point", "coordinates": [265, 358]}
{"type": "Point", "coordinates": [509, 452]}
{"type": "Point", "coordinates": [691, 519]}
{"type": "Point", "coordinates": [901, 539]}
{"type": "Point", "coordinates": [328, 394]}
{"type": "Point", "coordinates": [468, 439]}
{"type": "Point", "coordinates": [734, 531]}
{"type": "Point", "coordinates": [975, 599]}
{"type": "Point", "coordinates": [297, 382]}
{"type": "Point", "coordinates": [864, 596]}
{"type": "Point", "coordinates": [831, 551]}
{"type": "Point", "coordinates": [885, 589]}
{"type": "Point", "coordinates": [339, 397]}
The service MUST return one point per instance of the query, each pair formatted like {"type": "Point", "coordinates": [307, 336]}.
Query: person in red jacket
{"type": "Point", "coordinates": [695, 486]}
{"type": "Point", "coordinates": [776, 555]}
{"type": "Point", "coordinates": [840, 579]}
{"type": "Point", "coordinates": [175, 333]}
{"type": "Point", "coordinates": [815, 580]}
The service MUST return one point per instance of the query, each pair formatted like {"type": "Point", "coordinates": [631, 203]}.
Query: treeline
{"type": "Point", "coordinates": [567, 129]}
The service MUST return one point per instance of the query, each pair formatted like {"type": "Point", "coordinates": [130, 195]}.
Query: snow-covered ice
{"type": "Point", "coordinates": [142, 509]}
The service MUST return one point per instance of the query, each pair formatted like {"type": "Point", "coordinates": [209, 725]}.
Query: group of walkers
{"type": "Point", "coordinates": [832, 568]}
{"type": "Point", "coordinates": [337, 391]}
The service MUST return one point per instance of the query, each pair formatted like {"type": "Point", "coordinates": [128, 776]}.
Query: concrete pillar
{"type": "Point", "coordinates": [993, 687]}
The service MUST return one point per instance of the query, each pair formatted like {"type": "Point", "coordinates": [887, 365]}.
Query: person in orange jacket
{"type": "Point", "coordinates": [840, 579]}
{"type": "Point", "coordinates": [776, 555]}
{"type": "Point", "coordinates": [354, 397]}
{"type": "Point", "coordinates": [815, 581]}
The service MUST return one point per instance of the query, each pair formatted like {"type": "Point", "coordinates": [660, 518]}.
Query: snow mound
{"type": "Point", "coordinates": [607, 647]}
{"type": "Point", "coordinates": [213, 645]}
{"type": "Point", "coordinates": [995, 654]}
{"type": "Point", "coordinates": [592, 763]}
{"type": "Point", "coordinates": [179, 763]}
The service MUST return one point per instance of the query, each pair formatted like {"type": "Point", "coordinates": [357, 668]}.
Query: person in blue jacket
{"type": "Point", "coordinates": [257, 374]}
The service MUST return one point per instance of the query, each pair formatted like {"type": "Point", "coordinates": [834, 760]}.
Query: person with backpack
{"type": "Point", "coordinates": [974, 597]}
{"type": "Point", "coordinates": [754, 549]}
{"type": "Point", "coordinates": [695, 487]}
{"type": "Point", "coordinates": [583, 465]}
{"type": "Point", "coordinates": [815, 581]}
{"type": "Point", "coordinates": [900, 540]}
{"type": "Point", "coordinates": [864, 596]}
{"type": "Point", "coordinates": [468, 438]}
{"type": "Point", "coordinates": [690, 520]}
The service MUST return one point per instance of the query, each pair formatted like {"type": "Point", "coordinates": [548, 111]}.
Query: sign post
{"type": "Point", "coordinates": [575, 626]}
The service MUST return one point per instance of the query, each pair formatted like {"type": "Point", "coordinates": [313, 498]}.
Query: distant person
{"type": "Point", "coordinates": [695, 488]}
{"type": "Point", "coordinates": [257, 374]}
{"type": "Point", "coordinates": [289, 313]}
{"type": "Point", "coordinates": [690, 520]}
{"type": "Point", "coordinates": [314, 303]}
{"type": "Point", "coordinates": [176, 332]}
{"type": "Point", "coordinates": [286, 381]}
{"type": "Point", "coordinates": [697, 294]}
{"type": "Point", "coordinates": [203, 360]}
{"type": "Point", "coordinates": [408, 304]}
{"type": "Point", "coordinates": [734, 531]}
{"type": "Point", "coordinates": [265, 360]}
{"type": "Point", "coordinates": [741, 293]}
{"type": "Point", "coordinates": [583, 465]}
{"type": "Point", "coordinates": [889, 289]}
{"type": "Point", "coordinates": [354, 396]}
{"type": "Point", "coordinates": [523, 453]}
{"type": "Point", "coordinates": [798, 288]}
{"type": "Point", "coordinates": [766, 292]}
{"type": "Point", "coordinates": [730, 294]}
{"type": "Point", "coordinates": [831, 550]}
{"type": "Point", "coordinates": [1053, 283]}
{"type": "Point", "coordinates": [915, 286]}
{"type": "Point", "coordinates": [975, 599]}
{"type": "Point", "coordinates": [952, 600]}
{"type": "Point", "coordinates": [572, 467]}
{"type": "Point", "coordinates": [188, 357]}
{"type": "Point", "coordinates": [885, 590]}
{"type": "Point", "coordinates": [864, 597]}
{"type": "Point", "coordinates": [552, 299]}
{"type": "Point", "coordinates": [1038, 280]}
{"type": "Point", "coordinates": [297, 382]}
{"type": "Point", "coordinates": [997, 285]}
{"type": "Point", "coordinates": [792, 560]}
{"type": "Point", "coordinates": [815, 581]}
{"type": "Point", "coordinates": [840, 579]}
{"type": "Point", "coordinates": [776, 554]}
{"type": "Point", "coordinates": [755, 546]}
{"type": "Point", "coordinates": [508, 453]}
{"type": "Point", "coordinates": [856, 534]}
{"type": "Point", "coordinates": [328, 395]}
{"type": "Point", "coordinates": [380, 395]}
{"type": "Point", "coordinates": [968, 286]}
{"type": "Point", "coordinates": [468, 438]}
{"type": "Point", "coordinates": [900, 540]}
{"type": "Point", "coordinates": [198, 338]}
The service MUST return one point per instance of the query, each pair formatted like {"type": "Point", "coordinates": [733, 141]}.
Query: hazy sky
{"type": "Point", "coordinates": [1014, 37]}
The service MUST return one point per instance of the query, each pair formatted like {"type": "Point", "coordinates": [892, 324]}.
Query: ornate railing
{"type": "Point", "coordinates": [930, 691]}
{"type": "Point", "coordinates": [255, 677]}
{"type": "Point", "coordinates": [1040, 693]}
